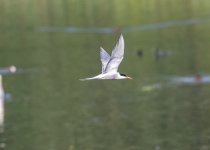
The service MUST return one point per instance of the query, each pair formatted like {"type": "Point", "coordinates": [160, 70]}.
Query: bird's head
{"type": "Point", "coordinates": [124, 76]}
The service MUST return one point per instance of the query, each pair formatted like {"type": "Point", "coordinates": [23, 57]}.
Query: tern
{"type": "Point", "coordinates": [111, 63]}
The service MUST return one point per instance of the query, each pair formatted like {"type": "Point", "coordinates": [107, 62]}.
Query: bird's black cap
{"type": "Point", "coordinates": [122, 74]}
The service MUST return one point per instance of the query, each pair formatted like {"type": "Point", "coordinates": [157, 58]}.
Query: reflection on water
{"type": "Point", "coordinates": [197, 79]}
{"type": "Point", "coordinates": [8, 70]}
{"type": "Point", "coordinates": [161, 53]}
{"type": "Point", "coordinates": [151, 87]}
{"type": "Point", "coordinates": [125, 29]}
{"type": "Point", "coordinates": [16, 70]}
{"type": "Point", "coordinates": [192, 79]}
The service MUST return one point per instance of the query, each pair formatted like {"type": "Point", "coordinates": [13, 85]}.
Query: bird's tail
{"type": "Point", "coordinates": [85, 79]}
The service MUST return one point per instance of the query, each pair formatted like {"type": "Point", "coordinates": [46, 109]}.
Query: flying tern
{"type": "Point", "coordinates": [111, 63]}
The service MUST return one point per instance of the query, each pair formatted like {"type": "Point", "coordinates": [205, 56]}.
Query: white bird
{"type": "Point", "coordinates": [111, 63]}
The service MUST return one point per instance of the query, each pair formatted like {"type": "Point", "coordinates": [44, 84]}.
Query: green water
{"type": "Point", "coordinates": [52, 110]}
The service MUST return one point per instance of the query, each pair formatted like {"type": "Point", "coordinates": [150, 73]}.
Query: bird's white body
{"type": "Point", "coordinates": [111, 63]}
{"type": "Point", "coordinates": [109, 75]}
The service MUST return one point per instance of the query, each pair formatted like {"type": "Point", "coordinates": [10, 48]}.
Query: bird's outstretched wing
{"type": "Point", "coordinates": [105, 57]}
{"type": "Point", "coordinates": [116, 57]}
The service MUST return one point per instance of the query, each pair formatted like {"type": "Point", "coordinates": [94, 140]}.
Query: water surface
{"type": "Point", "coordinates": [51, 109]}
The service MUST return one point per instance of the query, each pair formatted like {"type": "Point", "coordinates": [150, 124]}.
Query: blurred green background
{"type": "Point", "coordinates": [52, 110]}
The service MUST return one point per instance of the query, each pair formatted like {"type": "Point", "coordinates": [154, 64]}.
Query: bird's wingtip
{"type": "Point", "coordinates": [121, 37]}
{"type": "Point", "coordinates": [101, 48]}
